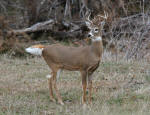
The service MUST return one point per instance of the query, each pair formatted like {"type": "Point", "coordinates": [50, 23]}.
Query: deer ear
{"type": "Point", "coordinates": [88, 24]}
{"type": "Point", "coordinates": [102, 24]}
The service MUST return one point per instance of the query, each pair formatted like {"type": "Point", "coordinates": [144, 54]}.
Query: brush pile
{"type": "Point", "coordinates": [9, 41]}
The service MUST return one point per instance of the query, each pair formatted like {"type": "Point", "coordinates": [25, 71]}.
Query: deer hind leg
{"type": "Point", "coordinates": [84, 86]}
{"type": "Point", "coordinates": [56, 89]}
{"type": "Point", "coordinates": [51, 89]}
{"type": "Point", "coordinates": [50, 82]}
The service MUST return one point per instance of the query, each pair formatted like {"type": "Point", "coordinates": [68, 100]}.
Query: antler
{"type": "Point", "coordinates": [87, 16]}
{"type": "Point", "coordinates": [106, 15]}
{"type": "Point", "coordinates": [99, 17]}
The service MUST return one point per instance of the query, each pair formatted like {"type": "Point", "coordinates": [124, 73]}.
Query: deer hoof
{"type": "Point", "coordinates": [60, 102]}
{"type": "Point", "coordinates": [53, 100]}
{"type": "Point", "coordinates": [90, 102]}
{"type": "Point", "coordinates": [84, 106]}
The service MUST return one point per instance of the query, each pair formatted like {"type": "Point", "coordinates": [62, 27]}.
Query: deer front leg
{"type": "Point", "coordinates": [84, 86]}
{"type": "Point", "coordinates": [56, 89]}
{"type": "Point", "coordinates": [90, 87]}
{"type": "Point", "coordinates": [90, 91]}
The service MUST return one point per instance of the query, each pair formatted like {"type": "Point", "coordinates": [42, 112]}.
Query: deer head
{"type": "Point", "coordinates": [95, 26]}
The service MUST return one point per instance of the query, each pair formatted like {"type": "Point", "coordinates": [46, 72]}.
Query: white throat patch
{"type": "Point", "coordinates": [99, 38]}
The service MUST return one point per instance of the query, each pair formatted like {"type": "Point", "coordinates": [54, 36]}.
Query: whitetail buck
{"type": "Point", "coordinates": [85, 59]}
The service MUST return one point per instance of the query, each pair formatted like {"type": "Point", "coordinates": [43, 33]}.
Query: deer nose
{"type": "Point", "coordinates": [89, 35]}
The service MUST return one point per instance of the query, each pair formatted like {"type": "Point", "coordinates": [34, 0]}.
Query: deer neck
{"type": "Point", "coordinates": [97, 46]}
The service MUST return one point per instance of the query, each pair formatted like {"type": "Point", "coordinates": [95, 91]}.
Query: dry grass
{"type": "Point", "coordinates": [121, 88]}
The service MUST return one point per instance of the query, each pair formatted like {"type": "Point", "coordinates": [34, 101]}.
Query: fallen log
{"type": "Point", "coordinates": [58, 30]}
{"type": "Point", "coordinates": [47, 25]}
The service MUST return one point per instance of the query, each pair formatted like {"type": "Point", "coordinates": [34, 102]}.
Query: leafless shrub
{"type": "Point", "coordinates": [131, 35]}
{"type": "Point", "coordinates": [9, 41]}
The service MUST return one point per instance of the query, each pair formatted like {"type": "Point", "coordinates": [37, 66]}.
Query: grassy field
{"type": "Point", "coordinates": [120, 88]}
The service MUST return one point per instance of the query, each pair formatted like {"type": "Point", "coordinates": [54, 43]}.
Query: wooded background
{"type": "Point", "coordinates": [126, 30]}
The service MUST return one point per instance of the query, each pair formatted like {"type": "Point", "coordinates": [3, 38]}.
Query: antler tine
{"type": "Point", "coordinates": [105, 15]}
{"type": "Point", "coordinates": [88, 13]}
{"type": "Point", "coordinates": [89, 16]}
{"type": "Point", "coordinates": [94, 19]}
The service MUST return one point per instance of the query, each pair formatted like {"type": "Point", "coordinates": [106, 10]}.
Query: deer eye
{"type": "Point", "coordinates": [96, 30]}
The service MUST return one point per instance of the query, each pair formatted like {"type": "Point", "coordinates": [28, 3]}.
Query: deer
{"type": "Point", "coordinates": [84, 59]}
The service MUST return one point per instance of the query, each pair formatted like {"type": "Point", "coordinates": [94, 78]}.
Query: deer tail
{"type": "Point", "coordinates": [35, 49]}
